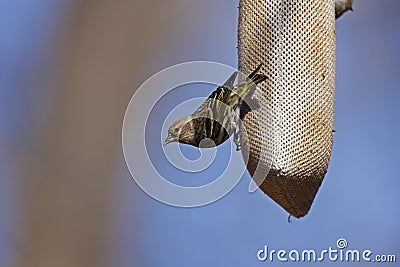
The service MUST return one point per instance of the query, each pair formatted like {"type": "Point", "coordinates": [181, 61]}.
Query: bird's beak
{"type": "Point", "coordinates": [168, 140]}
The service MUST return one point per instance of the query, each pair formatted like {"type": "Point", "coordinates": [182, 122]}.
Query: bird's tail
{"type": "Point", "coordinates": [253, 79]}
{"type": "Point", "coordinates": [248, 103]}
{"type": "Point", "coordinates": [256, 77]}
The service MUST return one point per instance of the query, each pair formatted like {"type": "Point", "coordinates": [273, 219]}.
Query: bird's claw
{"type": "Point", "coordinates": [236, 140]}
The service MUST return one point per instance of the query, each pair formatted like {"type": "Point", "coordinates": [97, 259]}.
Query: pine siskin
{"type": "Point", "coordinates": [219, 115]}
{"type": "Point", "coordinates": [341, 6]}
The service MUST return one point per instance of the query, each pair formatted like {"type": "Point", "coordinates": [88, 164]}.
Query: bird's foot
{"type": "Point", "coordinates": [237, 141]}
{"type": "Point", "coordinates": [238, 147]}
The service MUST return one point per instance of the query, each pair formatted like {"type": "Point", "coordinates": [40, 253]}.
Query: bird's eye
{"type": "Point", "coordinates": [176, 130]}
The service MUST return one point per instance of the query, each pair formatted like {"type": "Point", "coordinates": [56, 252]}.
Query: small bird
{"type": "Point", "coordinates": [341, 6]}
{"type": "Point", "coordinates": [219, 115]}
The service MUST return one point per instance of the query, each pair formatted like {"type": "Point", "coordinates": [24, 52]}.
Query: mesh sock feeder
{"type": "Point", "coordinates": [292, 133]}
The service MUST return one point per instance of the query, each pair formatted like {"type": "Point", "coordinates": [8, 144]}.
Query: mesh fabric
{"type": "Point", "coordinates": [292, 132]}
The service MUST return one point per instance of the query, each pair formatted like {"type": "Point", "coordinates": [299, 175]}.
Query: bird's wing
{"type": "Point", "coordinates": [203, 120]}
{"type": "Point", "coordinates": [214, 108]}
{"type": "Point", "coordinates": [219, 99]}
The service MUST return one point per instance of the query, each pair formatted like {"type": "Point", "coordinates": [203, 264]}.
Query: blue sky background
{"type": "Point", "coordinates": [359, 196]}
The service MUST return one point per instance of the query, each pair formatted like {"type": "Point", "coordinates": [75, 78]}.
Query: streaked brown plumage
{"type": "Point", "coordinates": [218, 116]}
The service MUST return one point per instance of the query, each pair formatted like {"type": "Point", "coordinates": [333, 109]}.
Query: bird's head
{"type": "Point", "coordinates": [181, 131]}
